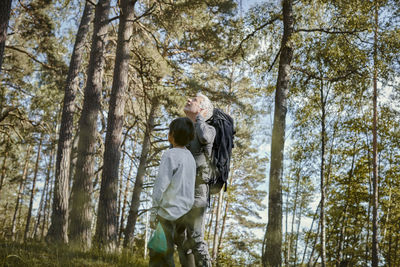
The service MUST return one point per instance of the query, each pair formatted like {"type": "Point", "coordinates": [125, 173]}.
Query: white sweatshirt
{"type": "Point", "coordinates": [173, 192]}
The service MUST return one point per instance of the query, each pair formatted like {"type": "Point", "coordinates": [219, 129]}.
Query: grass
{"type": "Point", "coordinates": [41, 254]}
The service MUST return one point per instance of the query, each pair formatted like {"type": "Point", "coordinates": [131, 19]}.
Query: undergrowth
{"type": "Point", "coordinates": [41, 254]}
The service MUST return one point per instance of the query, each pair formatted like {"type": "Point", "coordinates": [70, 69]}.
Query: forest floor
{"type": "Point", "coordinates": [40, 254]}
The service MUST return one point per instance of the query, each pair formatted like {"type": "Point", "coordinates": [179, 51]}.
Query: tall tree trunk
{"type": "Point", "coordinates": [286, 259]}
{"type": "Point", "coordinates": [375, 258]}
{"type": "Point", "coordinates": [322, 175]}
{"type": "Point", "coordinates": [314, 245]}
{"type": "Point", "coordinates": [5, 10]}
{"type": "Point", "coordinates": [3, 169]}
{"type": "Point", "coordinates": [273, 249]}
{"type": "Point", "coordinates": [58, 231]}
{"type": "Point", "coordinates": [370, 186]}
{"type": "Point", "coordinates": [217, 218]}
{"type": "Point", "coordinates": [43, 198]}
{"type": "Point", "coordinates": [137, 189]}
{"type": "Point", "coordinates": [81, 210]}
{"type": "Point", "coordinates": [389, 255]}
{"type": "Point", "coordinates": [107, 219]}
{"type": "Point", "coordinates": [28, 219]}
{"type": "Point", "coordinates": [291, 236]}
{"type": "Point", "coordinates": [307, 237]}
{"type": "Point", "coordinates": [20, 192]}
{"type": "Point", "coordinates": [298, 232]}
{"type": "Point", "coordinates": [225, 215]}
{"type": "Point", "coordinates": [396, 249]}
{"type": "Point", "coordinates": [211, 218]}
{"type": "Point", "coordinates": [125, 202]}
{"type": "Point", "coordinates": [120, 187]}
{"type": "Point", "coordinates": [47, 207]}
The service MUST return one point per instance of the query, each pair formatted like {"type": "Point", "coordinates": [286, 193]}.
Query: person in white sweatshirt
{"type": "Point", "coordinates": [173, 192]}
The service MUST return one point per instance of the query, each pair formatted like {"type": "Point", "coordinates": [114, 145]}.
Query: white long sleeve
{"type": "Point", "coordinates": [173, 192]}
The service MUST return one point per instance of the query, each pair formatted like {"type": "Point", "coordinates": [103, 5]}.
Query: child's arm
{"type": "Point", "coordinates": [163, 179]}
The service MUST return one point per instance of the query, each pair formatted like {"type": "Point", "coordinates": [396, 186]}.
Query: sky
{"type": "Point", "coordinates": [246, 4]}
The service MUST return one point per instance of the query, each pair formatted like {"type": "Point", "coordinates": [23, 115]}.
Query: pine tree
{"type": "Point", "coordinates": [81, 212]}
{"type": "Point", "coordinates": [5, 11]}
{"type": "Point", "coordinates": [107, 219]}
{"type": "Point", "coordinates": [58, 231]}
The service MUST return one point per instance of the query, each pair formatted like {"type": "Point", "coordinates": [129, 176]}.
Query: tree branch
{"type": "Point", "coordinates": [32, 57]}
{"type": "Point", "coordinates": [321, 78]}
{"type": "Point", "coordinates": [276, 57]}
{"type": "Point", "coordinates": [6, 112]}
{"type": "Point", "coordinates": [330, 31]}
{"type": "Point", "coordinates": [90, 2]}
{"type": "Point", "coordinates": [272, 20]}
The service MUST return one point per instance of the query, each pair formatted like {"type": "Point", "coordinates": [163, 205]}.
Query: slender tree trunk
{"type": "Point", "coordinates": [58, 231]}
{"type": "Point", "coordinates": [20, 193]}
{"type": "Point", "coordinates": [286, 223]}
{"type": "Point", "coordinates": [120, 187]}
{"type": "Point", "coordinates": [107, 219]}
{"type": "Point", "coordinates": [81, 210]}
{"type": "Point", "coordinates": [375, 249]}
{"type": "Point", "coordinates": [396, 249]}
{"type": "Point", "coordinates": [298, 232]}
{"type": "Point", "coordinates": [314, 247]}
{"type": "Point", "coordinates": [344, 216]}
{"type": "Point", "coordinates": [389, 257]}
{"type": "Point", "coordinates": [73, 159]}
{"type": "Point", "coordinates": [307, 238]}
{"type": "Point", "coordinates": [291, 236]}
{"type": "Point", "coordinates": [217, 222]}
{"type": "Point", "coordinates": [137, 189]}
{"type": "Point", "coordinates": [211, 218]}
{"type": "Point", "coordinates": [43, 198]}
{"type": "Point", "coordinates": [47, 207]}
{"type": "Point", "coordinates": [28, 219]}
{"type": "Point", "coordinates": [273, 249]}
{"type": "Point", "coordinates": [3, 169]}
{"type": "Point", "coordinates": [221, 235]}
{"type": "Point", "coordinates": [124, 203]}
{"type": "Point", "coordinates": [5, 10]}
{"type": "Point", "coordinates": [322, 175]}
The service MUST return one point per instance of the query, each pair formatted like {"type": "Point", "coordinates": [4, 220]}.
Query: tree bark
{"type": "Point", "coordinates": [273, 249]}
{"type": "Point", "coordinates": [81, 210]}
{"type": "Point", "coordinates": [307, 237]}
{"type": "Point", "coordinates": [298, 232]}
{"type": "Point", "coordinates": [225, 215]}
{"type": "Point", "coordinates": [107, 220]}
{"type": "Point", "coordinates": [58, 232]}
{"type": "Point", "coordinates": [137, 189]}
{"type": "Point", "coordinates": [291, 236]}
{"type": "Point", "coordinates": [322, 175]}
{"type": "Point", "coordinates": [217, 218]}
{"type": "Point", "coordinates": [124, 203]}
{"type": "Point", "coordinates": [20, 192]}
{"type": "Point", "coordinates": [28, 218]}
{"type": "Point", "coordinates": [47, 207]}
{"type": "Point", "coordinates": [375, 249]}
{"type": "Point", "coordinates": [3, 169]}
{"type": "Point", "coordinates": [211, 217]}
{"type": "Point", "coordinates": [5, 10]}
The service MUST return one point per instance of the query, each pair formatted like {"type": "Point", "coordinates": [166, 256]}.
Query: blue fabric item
{"type": "Point", "coordinates": [158, 241]}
